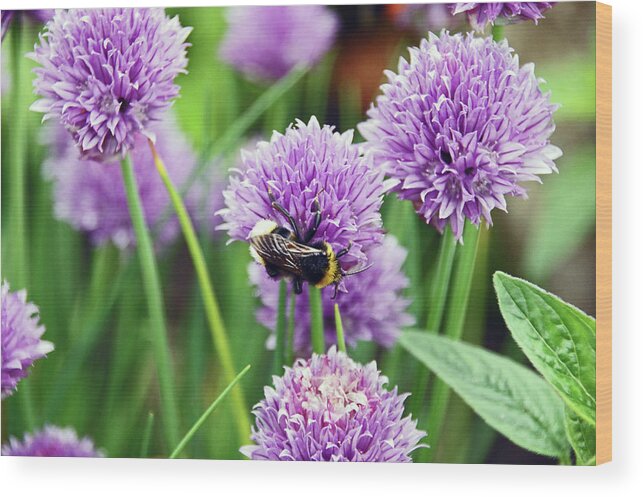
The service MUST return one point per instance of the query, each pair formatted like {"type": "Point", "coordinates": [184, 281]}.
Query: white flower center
{"type": "Point", "coordinates": [335, 395]}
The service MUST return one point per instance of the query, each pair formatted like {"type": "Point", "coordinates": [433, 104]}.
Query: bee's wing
{"type": "Point", "coordinates": [281, 252]}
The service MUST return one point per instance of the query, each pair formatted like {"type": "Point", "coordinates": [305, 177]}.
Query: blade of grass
{"type": "Point", "coordinates": [290, 339]}
{"type": "Point", "coordinates": [147, 435]}
{"type": "Point", "coordinates": [280, 330]}
{"type": "Point", "coordinates": [152, 288]}
{"type": "Point", "coordinates": [339, 328]}
{"type": "Point", "coordinates": [316, 320]}
{"type": "Point", "coordinates": [188, 436]}
{"type": "Point", "coordinates": [212, 311]}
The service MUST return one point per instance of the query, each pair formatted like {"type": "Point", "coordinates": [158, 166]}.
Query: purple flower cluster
{"type": "Point", "coordinates": [459, 126]}
{"type": "Point", "coordinates": [268, 42]}
{"type": "Point", "coordinates": [309, 162]}
{"type": "Point", "coordinates": [482, 14]}
{"type": "Point", "coordinates": [91, 196]}
{"type": "Point", "coordinates": [21, 338]}
{"type": "Point", "coordinates": [107, 74]}
{"type": "Point", "coordinates": [51, 441]}
{"type": "Point", "coordinates": [372, 308]}
{"type": "Point", "coordinates": [329, 408]}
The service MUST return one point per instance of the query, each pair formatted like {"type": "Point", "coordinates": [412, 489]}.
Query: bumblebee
{"type": "Point", "coordinates": [286, 253]}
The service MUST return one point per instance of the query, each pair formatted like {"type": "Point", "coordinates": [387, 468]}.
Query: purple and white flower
{"type": "Point", "coordinates": [91, 196]}
{"type": "Point", "coordinates": [21, 338]}
{"type": "Point", "coordinates": [309, 162]}
{"type": "Point", "coordinates": [459, 127]}
{"type": "Point", "coordinates": [330, 408]}
{"type": "Point", "coordinates": [482, 14]}
{"type": "Point", "coordinates": [107, 74]}
{"type": "Point", "coordinates": [51, 441]}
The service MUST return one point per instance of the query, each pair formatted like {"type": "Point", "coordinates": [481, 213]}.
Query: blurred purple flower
{"type": "Point", "coordinates": [91, 196]}
{"type": "Point", "coordinates": [107, 74]}
{"type": "Point", "coordinates": [373, 309]}
{"type": "Point", "coordinates": [482, 14]}
{"type": "Point", "coordinates": [459, 126]}
{"type": "Point", "coordinates": [305, 163]}
{"type": "Point", "coordinates": [329, 408]}
{"type": "Point", "coordinates": [425, 17]}
{"type": "Point", "coordinates": [21, 333]}
{"type": "Point", "coordinates": [51, 441]}
{"type": "Point", "coordinates": [267, 42]}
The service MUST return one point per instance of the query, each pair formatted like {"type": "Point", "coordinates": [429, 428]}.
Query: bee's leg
{"type": "Point", "coordinates": [335, 291]}
{"type": "Point", "coordinates": [344, 251]}
{"type": "Point", "coordinates": [297, 286]}
{"type": "Point", "coordinates": [291, 220]}
{"type": "Point", "coordinates": [272, 271]}
{"type": "Point", "coordinates": [316, 222]}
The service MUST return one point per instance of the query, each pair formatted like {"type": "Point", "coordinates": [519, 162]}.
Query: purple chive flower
{"type": "Point", "coordinates": [309, 162]}
{"type": "Point", "coordinates": [329, 408]}
{"type": "Point", "coordinates": [267, 42]}
{"type": "Point", "coordinates": [372, 309]}
{"type": "Point", "coordinates": [459, 127]}
{"type": "Point", "coordinates": [482, 14]}
{"type": "Point", "coordinates": [51, 441]}
{"type": "Point", "coordinates": [21, 343]}
{"type": "Point", "coordinates": [107, 74]}
{"type": "Point", "coordinates": [90, 195]}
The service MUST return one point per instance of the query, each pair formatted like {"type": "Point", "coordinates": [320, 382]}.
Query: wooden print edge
{"type": "Point", "coordinates": [603, 233]}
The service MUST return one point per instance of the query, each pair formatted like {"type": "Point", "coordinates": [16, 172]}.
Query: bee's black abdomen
{"type": "Point", "coordinates": [314, 267]}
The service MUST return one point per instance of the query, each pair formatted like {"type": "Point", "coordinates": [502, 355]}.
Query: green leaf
{"type": "Point", "coordinates": [509, 397]}
{"type": "Point", "coordinates": [582, 437]}
{"type": "Point", "coordinates": [558, 339]}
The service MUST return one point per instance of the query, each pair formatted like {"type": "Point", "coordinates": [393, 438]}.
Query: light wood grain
{"type": "Point", "coordinates": [603, 233]}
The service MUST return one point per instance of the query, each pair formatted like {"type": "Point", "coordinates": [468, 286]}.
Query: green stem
{"type": "Point", "coordinates": [316, 320]}
{"type": "Point", "coordinates": [16, 266]}
{"type": "Point", "coordinates": [152, 287]}
{"type": "Point", "coordinates": [147, 435]}
{"type": "Point", "coordinates": [339, 328]}
{"type": "Point", "coordinates": [440, 285]}
{"type": "Point", "coordinates": [212, 311]}
{"type": "Point", "coordinates": [290, 347]}
{"type": "Point", "coordinates": [498, 32]}
{"type": "Point", "coordinates": [280, 331]}
{"type": "Point", "coordinates": [454, 323]}
{"type": "Point", "coordinates": [565, 460]}
{"type": "Point", "coordinates": [188, 436]}
{"type": "Point", "coordinates": [437, 295]}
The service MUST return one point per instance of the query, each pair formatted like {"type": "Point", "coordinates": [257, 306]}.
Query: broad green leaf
{"type": "Point", "coordinates": [558, 339]}
{"type": "Point", "coordinates": [582, 437]}
{"type": "Point", "coordinates": [509, 397]}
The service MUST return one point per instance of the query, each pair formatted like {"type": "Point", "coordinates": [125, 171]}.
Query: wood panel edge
{"type": "Point", "coordinates": [603, 233]}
